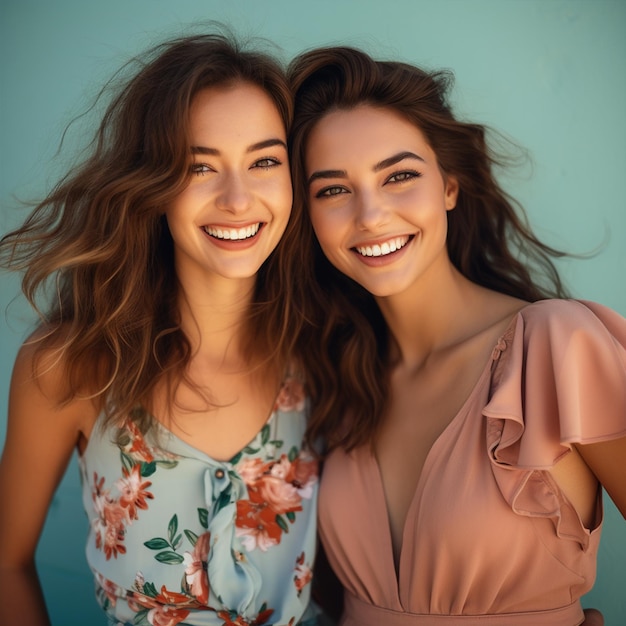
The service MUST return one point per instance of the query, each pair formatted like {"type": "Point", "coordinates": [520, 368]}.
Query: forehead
{"type": "Point", "coordinates": [362, 131]}
{"type": "Point", "coordinates": [232, 107]}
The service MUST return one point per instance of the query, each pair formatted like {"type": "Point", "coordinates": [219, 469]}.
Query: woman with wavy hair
{"type": "Point", "coordinates": [471, 411]}
{"type": "Point", "coordinates": [165, 354]}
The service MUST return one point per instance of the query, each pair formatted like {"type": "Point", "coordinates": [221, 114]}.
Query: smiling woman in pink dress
{"type": "Point", "coordinates": [165, 356]}
{"type": "Point", "coordinates": [471, 411]}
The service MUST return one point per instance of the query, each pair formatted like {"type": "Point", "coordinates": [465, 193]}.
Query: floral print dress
{"type": "Point", "coordinates": [177, 537]}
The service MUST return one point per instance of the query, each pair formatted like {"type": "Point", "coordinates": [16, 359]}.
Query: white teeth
{"type": "Point", "coordinates": [384, 248]}
{"type": "Point", "coordinates": [234, 234]}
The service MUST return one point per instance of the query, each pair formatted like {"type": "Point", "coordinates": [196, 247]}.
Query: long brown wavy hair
{"type": "Point", "coordinates": [489, 239]}
{"type": "Point", "coordinates": [97, 255]}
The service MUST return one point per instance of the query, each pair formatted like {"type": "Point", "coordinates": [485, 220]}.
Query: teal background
{"type": "Point", "coordinates": [551, 74]}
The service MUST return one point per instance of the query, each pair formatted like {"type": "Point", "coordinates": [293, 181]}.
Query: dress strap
{"type": "Point", "coordinates": [360, 613]}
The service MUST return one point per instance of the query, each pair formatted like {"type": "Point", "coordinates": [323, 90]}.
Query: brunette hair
{"type": "Point", "coordinates": [99, 242]}
{"type": "Point", "coordinates": [489, 239]}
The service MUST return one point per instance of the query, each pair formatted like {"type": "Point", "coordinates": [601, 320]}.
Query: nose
{"type": "Point", "coordinates": [371, 211]}
{"type": "Point", "coordinates": [234, 195]}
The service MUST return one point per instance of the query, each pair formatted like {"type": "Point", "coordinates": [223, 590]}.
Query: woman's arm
{"type": "Point", "coordinates": [607, 460]}
{"type": "Point", "coordinates": [41, 437]}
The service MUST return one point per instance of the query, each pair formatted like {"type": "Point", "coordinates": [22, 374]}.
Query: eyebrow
{"type": "Point", "coordinates": [381, 165]}
{"type": "Point", "coordinates": [260, 145]}
{"type": "Point", "coordinates": [396, 158]}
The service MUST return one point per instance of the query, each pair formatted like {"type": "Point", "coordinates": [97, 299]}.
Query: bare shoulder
{"type": "Point", "coordinates": [39, 389]}
{"type": "Point", "coordinates": [493, 312]}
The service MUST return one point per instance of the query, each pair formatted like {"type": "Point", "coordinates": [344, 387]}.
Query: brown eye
{"type": "Point", "coordinates": [267, 163]}
{"type": "Point", "coordinates": [199, 169]}
{"type": "Point", "coordinates": [330, 191]}
{"type": "Point", "coordinates": [401, 177]}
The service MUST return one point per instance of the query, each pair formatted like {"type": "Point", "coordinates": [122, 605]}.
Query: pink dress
{"type": "Point", "coordinates": [489, 536]}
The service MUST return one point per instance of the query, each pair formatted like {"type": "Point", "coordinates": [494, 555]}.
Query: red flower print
{"type": "Point", "coordinates": [256, 523]}
{"type": "Point", "coordinates": [281, 496]}
{"type": "Point", "coordinates": [138, 448]}
{"type": "Point", "coordinates": [304, 474]}
{"type": "Point", "coordinates": [275, 488]}
{"type": "Point", "coordinates": [196, 569]}
{"type": "Point", "coordinates": [291, 396]}
{"type": "Point", "coordinates": [259, 620]}
{"type": "Point", "coordinates": [110, 538]}
{"type": "Point", "coordinates": [303, 574]}
{"type": "Point", "coordinates": [166, 616]}
{"type": "Point", "coordinates": [229, 621]}
{"type": "Point", "coordinates": [110, 523]}
{"type": "Point", "coordinates": [109, 588]}
{"type": "Point", "coordinates": [268, 483]}
{"type": "Point", "coordinates": [168, 608]}
{"type": "Point", "coordinates": [172, 597]}
{"type": "Point", "coordinates": [133, 491]}
{"type": "Point", "coordinates": [251, 470]}
{"type": "Point", "coordinates": [158, 614]}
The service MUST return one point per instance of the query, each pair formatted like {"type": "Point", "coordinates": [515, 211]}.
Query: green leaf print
{"type": "Point", "coordinates": [156, 544]}
{"type": "Point", "coordinates": [236, 458]}
{"type": "Point", "coordinates": [192, 537]}
{"type": "Point", "coordinates": [203, 515]}
{"type": "Point", "coordinates": [265, 434]}
{"type": "Point", "coordinates": [166, 464]}
{"type": "Point", "coordinates": [293, 454]}
{"type": "Point", "coordinates": [291, 516]}
{"type": "Point", "coordinates": [223, 500]}
{"type": "Point", "coordinates": [280, 520]}
{"type": "Point", "coordinates": [169, 558]}
{"type": "Point", "coordinates": [172, 528]}
{"type": "Point", "coordinates": [175, 541]}
{"type": "Point", "coordinates": [277, 443]}
{"type": "Point", "coordinates": [150, 590]}
{"type": "Point", "coordinates": [251, 450]}
{"type": "Point", "coordinates": [127, 461]}
{"type": "Point", "coordinates": [147, 469]}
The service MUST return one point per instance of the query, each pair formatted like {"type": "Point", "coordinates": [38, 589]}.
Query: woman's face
{"type": "Point", "coordinates": [377, 198]}
{"type": "Point", "coordinates": [236, 207]}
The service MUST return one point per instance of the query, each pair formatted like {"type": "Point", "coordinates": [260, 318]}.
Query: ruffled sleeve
{"type": "Point", "coordinates": [562, 382]}
{"type": "Point", "coordinates": [561, 379]}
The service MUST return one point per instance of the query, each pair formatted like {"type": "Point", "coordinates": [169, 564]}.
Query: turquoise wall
{"type": "Point", "coordinates": [549, 73]}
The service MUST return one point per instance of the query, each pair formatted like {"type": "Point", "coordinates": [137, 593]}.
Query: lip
{"type": "Point", "coordinates": [233, 237]}
{"type": "Point", "coordinates": [382, 250]}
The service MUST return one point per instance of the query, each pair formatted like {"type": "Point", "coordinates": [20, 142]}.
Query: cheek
{"type": "Point", "coordinates": [280, 195]}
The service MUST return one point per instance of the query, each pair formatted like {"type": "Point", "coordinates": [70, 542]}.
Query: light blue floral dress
{"type": "Point", "coordinates": [177, 537]}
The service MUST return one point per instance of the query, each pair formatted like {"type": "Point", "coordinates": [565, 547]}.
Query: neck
{"type": "Point", "coordinates": [213, 318]}
{"type": "Point", "coordinates": [428, 317]}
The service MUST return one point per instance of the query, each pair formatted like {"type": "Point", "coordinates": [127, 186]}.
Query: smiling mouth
{"type": "Point", "coordinates": [382, 249]}
{"type": "Point", "coordinates": [233, 234]}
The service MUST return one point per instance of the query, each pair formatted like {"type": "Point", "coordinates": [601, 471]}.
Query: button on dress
{"type": "Point", "coordinates": [177, 537]}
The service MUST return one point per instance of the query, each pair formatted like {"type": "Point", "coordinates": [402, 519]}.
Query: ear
{"type": "Point", "coordinates": [451, 192]}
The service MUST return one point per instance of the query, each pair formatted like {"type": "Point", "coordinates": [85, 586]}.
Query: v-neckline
{"type": "Point", "coordinates": [452, 425]}
{"type": "Point", "coordinates": [197, 453]}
